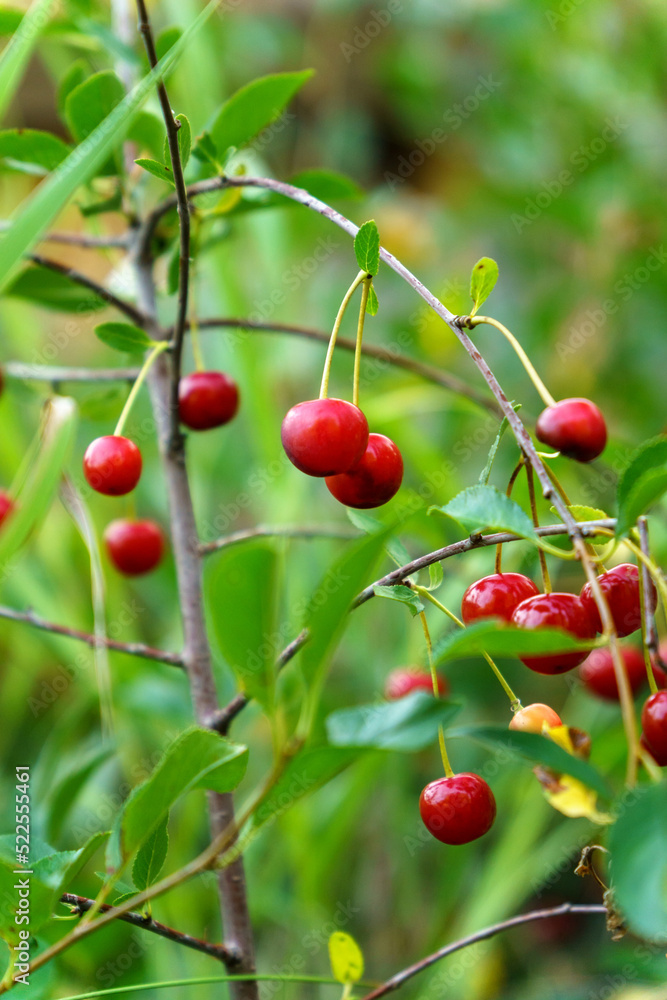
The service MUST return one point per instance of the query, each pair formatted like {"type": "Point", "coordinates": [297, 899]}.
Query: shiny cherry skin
{"type": "Point", "coordinates": [206, 400]}
{"type": "Point", "coordinates": [557, 610]}
{"type": "Point", "coordinates": [597, 672]}
{"type": "Point", "coordinates": [621, 588]}
{"type": "Point", "coordinates": [575, 427]}
{"type": "Point", "coordinates": [374, 480]}
{"type": "Point", "coordinates": [660, 759]}
{"type": "Point", "coordinates": [405, 680]}
{"type": "Point", "coordinates": [654, 724]}
{"type": "Point", "coordinates": [134, 547]}
{"type": "Point", "coordinates": [496, 596]}
{"type": "Point", "coordinates": [6, 506]}
{"type": "Point", "coordinates": [324, 437]}
{"type": "Point", "coordinates": [112, 465]}
{"type": "Point", "coordinates": [531, 718]}
{"type": "Point", "coordinates": [459, 809]}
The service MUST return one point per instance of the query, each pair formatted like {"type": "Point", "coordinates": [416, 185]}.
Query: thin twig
{"type": "Point", "coordinates": [83, 240]}
{"type": "Point", "coordinates": [278, 531]}
{"type": "Point", "coordinates": [57, 374]}
{"type": "Point", "coordinates": [81, 905]}
{"type": "Point", "coordinates": [650, 631]}
{"type": "Point", "coordinates": [523, 918]}
{"type": "Point", "coordinates": [130, 648]}
{"type": "Point", "coordinates": [93, 286]}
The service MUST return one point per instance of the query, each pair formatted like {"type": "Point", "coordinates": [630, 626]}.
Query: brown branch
{"type": "Point", "coordinates": [279, 531]}
{"type": "Point", "coordinates": [99, 290]}
{"type": "Point", "coordinates": [130, 648]}
{"type": "Point", "coordinates": [523, 918]}
{"type": "Point", "coordinates": [80, 904]}
{"type": "Point", "coordinates": [56, 374]}
{"type": "Point", "coordinates": [80, 239]}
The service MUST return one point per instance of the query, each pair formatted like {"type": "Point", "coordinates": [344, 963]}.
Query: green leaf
{"type": "Point", "coordinates": [184, 143]}
{"type": "Point", "coordinates": [89, 103]}
{"type": "Point", "coordinates": [74, 76]}
{"type": "Point", "coordinates": [407, 724]}
{"type": "Point", "coordinates": [403, 594]}
{"type": "Point", "coordinates": [166, 40]}
{"type": "Point", "coordinates": [483, 279]}
{"type": "Point", "coordinates": [372, 304]}
{"type": "Point", "coordinates": [158, 170]}
{"type": "Point", "coordinates": [638, 848]}
{"type": "Point", "coordinates": [499, 639]}
{"type": "Point", "coordinates": [41, 896]}
{"type": "Point", "coordinates": [367, 248]}
{"type": "Point", "coordinates": [197, 759]}
{"type": "Point", "coordinates": [535, 748]}
{"type": "Point", "coordinates": [582, 513]}
{"type": "Point", "coordinates": [10, 19]}
{"type": "Point", "coordinates": [650, 455]}
{"type": "Point", "coordinates": [60, 869]}
{"type": "Point", "coordinates": [486, 471]}
{"type": "Point", "coordinates": [111, 204]}
{"type": "Point", "coordinates": [151, 856]}
{"type": "Point", "coordinates": [65, 790]}
{"type": "Point", "coordinates": [485, 508]}
{"type": "Point", "coordinates": [327, 185]}
{"type": "Point", "coordinates": [254, 107]}
{"type": "Point", "coordinates": [436, 575]}
{"type": "Point", "coordinates": [124, 337]}
{"type": "Point", "coordinates": [346, 958]}
{"type": "Point", "coordinates": [42, 207]}
{"type": "Point", "coordinates": [244, 580]}
{"type": "Point", "coordinates": [642, 483]}
{"type": "Point", "coordinates": [31, 151]}
{"type": "Point", "coordinates": [53, 290]}
{"type": "Point", "coordinates": [16, 53]}
{"type": "Point", "coordinates": [147, 131]}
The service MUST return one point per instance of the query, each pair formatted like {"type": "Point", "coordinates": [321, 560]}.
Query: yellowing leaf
{"type": "Point", "coordinates": [574, 799]}
{"type": "Point", "coordinates": [347, 961]}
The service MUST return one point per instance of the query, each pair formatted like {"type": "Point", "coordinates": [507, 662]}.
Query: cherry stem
{"type": "Point", "coordinates": [645, 650]}
{"type": "Point", "coordinates": [365, 292]}
{"type": "Point", "coordinates": [508, 491]}
{"type": "Point", "coordinates": [159, 348]}
{"type": "Point", "coordinates": [545, 395]}
{"type": "Point", "coordinates": [195, 339]}
{"type": "Point", "coordinates": [449, 773]}
{"type": "Point", "coordinates": [324, 388]}
{"type": "Point", "coordinates": [546, 579]}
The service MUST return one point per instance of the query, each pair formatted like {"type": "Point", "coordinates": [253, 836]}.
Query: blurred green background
{"type": "Point", "coordinates": [531, 131]}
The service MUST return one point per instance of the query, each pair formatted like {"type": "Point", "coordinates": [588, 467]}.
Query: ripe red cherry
{"type": "Point", "coordinates": [324, 437]}
{"type": "Point", "coordinates": [207, 399]}
{"type": "Point", "coordinates": [112, 465]}
{"type": "Point", "coordinates": [660, 759]}
{"type": "Point", "coordinates": [374, 480]}
{"type": "Point", "coordinates": [496, 596]}
{"type": "Point", "coordinates": [459, 809]}
{"type": "Point", "coordinates": [597, 672]}
{"type": "Point", "coordinates": [621, 588]}
{"type": "Point", "coordinates": [531, 718]}
{"type": "Point", "coordinates": [134, 547]}
{"type": "Point", "coordinates": [564, 611]}
{"type": "Point", "coordinates": [575, 427]}
{"type": "Point", "coordinates": [6, 506]}
{"type": "Point", "coordinates": [654, 724]}
{"type": "Point", "coordinates": [405, 680]}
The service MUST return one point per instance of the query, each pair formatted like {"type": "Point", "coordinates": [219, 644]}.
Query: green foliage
{"type": "Point", "coordinates": [151, 856]}
{"type": "Point", "coordinates": [483, 280]}
{"type": "Point", "coordinates": [184, 143]}
{"type": "Point", "coordinates": [643, 482]}
{"type": "Point", "coordinates": [407, 724]}
{"type": "Point", "coordinates": [53, 290]}
{"type": "Point", "coordinates": [499, 639]}
{"type": "Point", "coordinates": [367, 247]}
{"type": "Point", "coordinates": [327, 185]}
{"type": "Point", "coordinates": [156, 169]}
{"type": "Point", "coordinates": [88, 104]}
{"type": "Point", "coordinates": [15, 55]}
{"type": "Point", "coordinates": [346, 958]}
{"type": "Point", "coordinates": [124, 337]}
{"type": "Point", "coordinates": [255, 107]}
{"type": "Point", "coordinates": [485, 508]}
{"type": "Point", "coordinates": [74, 76]}
{"type": "Point", "coordinates": [403, 594]}
{"type": "Point", "coordinates": [147, 130]}
{"type": "Point", "coordinates": [166, 40]}
{"type": "Point", "coordinates": [372, 305]}
{"type": "Point", "coordinates": [31, 151]}
{"type": "Point", "coordinates": [493, 450]}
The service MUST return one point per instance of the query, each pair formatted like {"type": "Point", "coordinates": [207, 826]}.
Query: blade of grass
{"type": "Point", "coordinates": [16, 53]}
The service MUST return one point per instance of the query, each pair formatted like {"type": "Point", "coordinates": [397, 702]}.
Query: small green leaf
{"type": "Point", "coordinates": [372, 305]}
{"type": "Point", "coordinates": [482, 281]}
{"type": "Point", "coordinates": [642, 483]}
{"type": "Point", "coordinates": [649, 456]}
{"type": "Point", "coordinates": [499, 639]}
{"type": "Point", "coordinates": [119, 900]}
{"type": "Point", "coordinates": [347, 960]}
{"type": "Point", "coordinates": [147, 131]}
{"type": "Point", "coordinates": [166, 40]}
{"type": "Point", "coordinates": [407, 724]}
{"type": "Point", "coordinates": [31, 151]}
{"type": "Point", "coordinates": [151, 856]}
{"type": "Point", "coordinates": [254, 107]}
{"type": "Point", "coordinates": [52, 290]}
{"type": "Point", "coordinates": [184, 143]}
{"type": "Point", "coordinates": [41, 897]}
{"type": "Point", "coordinates": [124, 337]}
{"type": "Point", "coordinates": [367, 247]}
{"type": "Point", "coordinates": [582, 513]}
{"type": "Point", "coordinates": [74, 76]}
{"type": "Point", "coordinates": [326, 185]}
{"type": "Point", "coordinates": [89, 103]}
{"type": "Point", "coordinates": [485, 508]}
{"type": "Point", "coordinates": [486, 471]}
{"type": "Point", "coordinates": [403, 594]}
{"type": "Point", "coordinates": [159, 170]}
{"type": "Point", "coordinates": [436, 575]}
{"type": "Point", "coordinates": [204, 150]}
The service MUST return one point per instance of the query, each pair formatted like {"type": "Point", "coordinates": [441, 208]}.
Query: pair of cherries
{"type": "Point", "coordinates": [329, 439]}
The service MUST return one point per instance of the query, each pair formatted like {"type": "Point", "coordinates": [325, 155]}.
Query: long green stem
{"type": "Point", "coordinates": [436, 693]}
{"type": "Point", "coordinates": [545, 395]}
{"type": "Point", "coordinates": [160, 346]}
{"type": "Point", "coordinates": [365, 291]}
{"type": "Point", "coordinates": [324, 388]}
{"type": "Point", "coordinates": [508, 492]}
{"type": "Point", "coordinates": [647, 656]}
{"type": "Point", "coordinates": [207, 980]}
{"type": "Point", "coordinates": [546, 579]}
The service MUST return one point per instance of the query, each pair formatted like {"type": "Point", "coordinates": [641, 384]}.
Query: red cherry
{"type": "Point", "coordinates": [6, 506]}
{"type": "Point", "coordinates": [621, 588]}
{"type": "Point", "coordinates": [575, 427]}
{"type": "Point", "coordinates": [597, 672]}
{"type": "Point", "coordinates": [112, 465]}
{"type": "Point", "coordinates": [531, 718]}
{"type": "Point", "coordinates": [324, 437]}
{"type": "Point", "coordinates": [374, 480]}
{"type": "Point", "coordinates": [207, 399]}
{"type": "Point", "coordinates": [496, 596]}
{"type": "Point", "coordinates": [459, 809]}
{"type": "Point", "coordinates": [564, 611]}
{"type": "Point", "coordinates": [654, 724]}
{"type": "Point", "coordinates": [660, 759]}
{"type": "Point", "coordinates": [405, 680]}
{"type": "Point", "coordinates": [134, 547]}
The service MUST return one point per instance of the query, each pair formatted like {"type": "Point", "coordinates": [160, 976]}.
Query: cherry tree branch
{"type": "Point", "coordinates": [98, 290]}
{"type": "Point", "coordinates": [55, 374]}
{"type": "Point", "coordinates": [278, 531]}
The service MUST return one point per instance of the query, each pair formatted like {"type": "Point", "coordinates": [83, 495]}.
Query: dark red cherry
{"type": "Point", "coordinates": [324, 437]}
{"type": "Point", "coordinates": [531, 718]}
{"type": "Point", "coordinates": [575, 427]}
{"type": "Point", "coordinates": [621, 588]}
{"type": "Point", "coordinates": [134, 547]}
{"type": "Point", "coordinates": [207, 399]}
{"type": "Point", "coordinates": [660, 759]}
{"type": "Point", "coordinates": [459, 809]}
{"type": "Point", "coordinates": [654, 724]}
{"type": "Point", "coordinates": [496, 596]}
{"type": "Point", "coordinates": [405, 680]}
{"type": "Point", "coordinates": [112, 465]}
{"type": "Point", "coordinates": [6, 506]}
{"type": "Point", "coordinates": [597, 672]}
{"type": "Point", "coordinates": [374, 480]}
{"type": "Point", "coordinates": [564, 611]}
